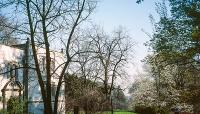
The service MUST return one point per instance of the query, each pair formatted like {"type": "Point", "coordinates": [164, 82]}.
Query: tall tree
{"type": "Point", "coordinates": [111, 53]}
{"type": "Point", "coordinates": [176, 42]}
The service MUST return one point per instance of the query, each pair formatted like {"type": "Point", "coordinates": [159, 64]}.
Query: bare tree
{"type": "Point", "coordinates": [101, 59]}
{"type": "Point", "coordinates": [112, 53]}
{"type": "Point", "coordinates": [85, 67]}
{"type": "Point", "coordinates": [6, 33]}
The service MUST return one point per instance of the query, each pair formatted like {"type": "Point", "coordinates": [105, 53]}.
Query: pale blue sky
{"type": "Point", "coordinates": [134, 17]}
{"type": "Point", "coordinates": [111, 14]}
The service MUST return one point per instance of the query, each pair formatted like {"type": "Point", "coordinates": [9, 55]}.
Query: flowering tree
{"type": "Point", "coordinates": [158, 90]}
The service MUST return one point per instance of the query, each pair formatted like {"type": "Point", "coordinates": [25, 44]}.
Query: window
{"type": "Point", "coordinates": [52, 64]}
{"type": "Point", "coordinates": [12, 70]}
{"type": "Point", "coordinates": [16, 72]}
{"type": "Point", "coordinates": [53, 89]}
{"type": "Point", "coordinates": [9, 70]}
{"type": "Point", "coordinates": [43, 63]}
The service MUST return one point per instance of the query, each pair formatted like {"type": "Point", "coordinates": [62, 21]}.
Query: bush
{"type": "Point", "coordinates": [162, 110]}
{"type": "Point", "coordinates": [14, 106]}
{"type": "Point", "coordinates": [151, 110]}
{"type": "Point", "coordinates": [145, 110]}
{"type": "Point", "coordinates": [3, 111]}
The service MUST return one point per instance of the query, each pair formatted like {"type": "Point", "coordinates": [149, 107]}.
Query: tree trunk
{"type": "Point", "coordinates": [40, 80]}
{"type": "Point", "coordinates": [86, 108]}
{"type": "Point", "coordinates": [76, 110]}
{"type": "Point", "coordinates": [25, 76]}
{"type": "Point", "coordinates": [112, 112]}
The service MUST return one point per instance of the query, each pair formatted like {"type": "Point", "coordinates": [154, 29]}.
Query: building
{"type": "Point", "coordinates": [18, 77]}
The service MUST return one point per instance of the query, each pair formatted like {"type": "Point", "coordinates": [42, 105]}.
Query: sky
{"type": "Point", "coordinates": [110, 14]}
{"type": "Point", "coordinates": [134, 17]}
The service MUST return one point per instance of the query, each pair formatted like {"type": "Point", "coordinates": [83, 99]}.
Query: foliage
{"type": "Point", "coordinates": [119, 100]}
{"type": "Point", "coordinates": [175, 43]}
{"type": "Point", "coordinates": [3, 111]}
{"type": "Point", "coordinates": [158, 89]}
{"type": "Point", "coordinates": [145, 110]}
{"type": "Point", "coordinates": [143, 91]}
{"type": "Point", "coordinates": [87, 97]}
{"type": "Point", "coordinates": [139, 1]}
{"type": "Point", "coordinates": [90, 97]}
{"type": "Point", "coordinates": [15, 106]}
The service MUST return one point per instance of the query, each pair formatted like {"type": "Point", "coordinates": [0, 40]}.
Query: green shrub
{"type": "Point", "coordinates": [145, 110]}
{"type": "Point", "coordinates": [151, 110]}
{"type": "Point", "coordinates": [3, 112]}
{"type": "Point", "coordinates": [14, 106]}
{"type": "Point", "coordinates": [162, 110]}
